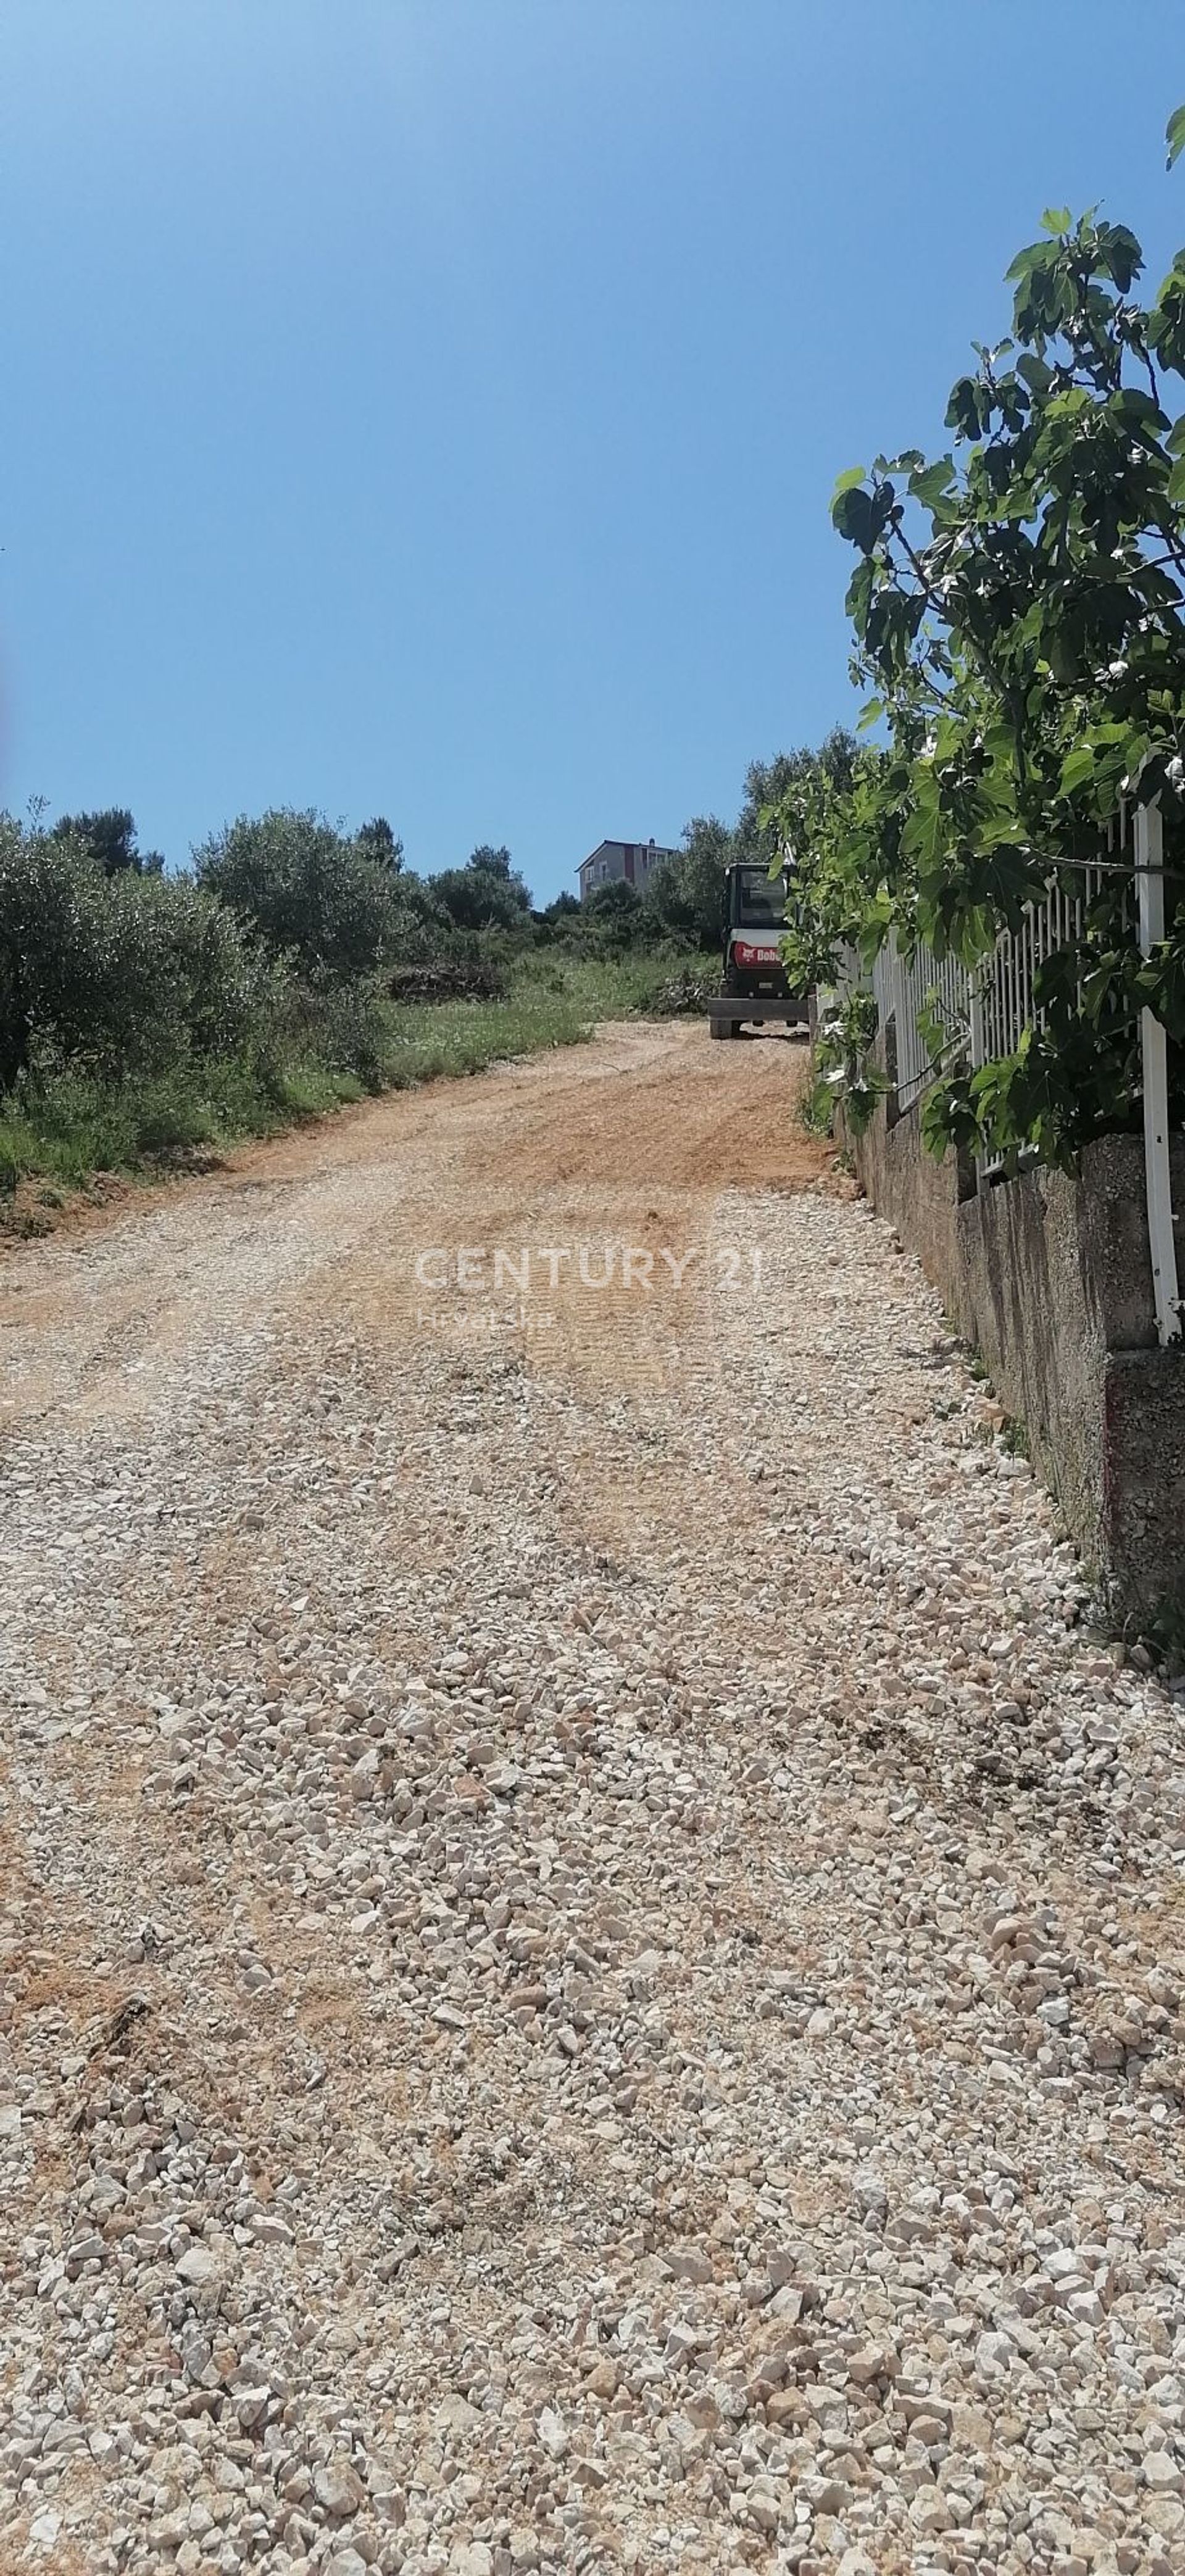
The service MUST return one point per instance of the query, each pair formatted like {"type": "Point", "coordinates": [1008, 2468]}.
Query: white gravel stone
{"type": "Point", "coordinates": [713, 2101]}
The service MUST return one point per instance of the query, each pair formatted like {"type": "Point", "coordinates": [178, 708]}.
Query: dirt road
{"type": "Point", "coordinates": [591, 1962]}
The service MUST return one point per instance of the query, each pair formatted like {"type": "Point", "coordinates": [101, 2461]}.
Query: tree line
{"type": "Point", "coordinates": [288, 931]}
{"type": "Point", "coordinates": [285, 932]}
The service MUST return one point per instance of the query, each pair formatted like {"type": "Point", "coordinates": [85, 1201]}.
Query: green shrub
{"type": "Point", "coordinates": [111, 839]}
{"type": "Point", "coordinates": [117, 973]}
{"type": "Point", "coordinates": [485, 894]}
{"type": "Point", "coordinates": [334, 904]}
{"type": "Point", "coordinates": [346, 1027]}
{"type": "Point", "coordinates": [684, 896]}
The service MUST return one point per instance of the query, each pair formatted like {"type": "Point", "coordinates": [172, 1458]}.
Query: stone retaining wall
{"type": "Point", "coordinates": [1049, 1276]}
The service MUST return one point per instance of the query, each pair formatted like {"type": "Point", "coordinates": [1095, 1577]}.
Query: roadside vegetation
{"type": "Point", "coordinates": [150, 1015]}
{"type": "Point", "coordinates": [70, 1124]}
{"type": "Point", "coordinates": [1019, 614]}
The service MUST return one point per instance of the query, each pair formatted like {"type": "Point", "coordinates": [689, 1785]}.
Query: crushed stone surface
{"type": "Point", "coordinates": [592, 1971]}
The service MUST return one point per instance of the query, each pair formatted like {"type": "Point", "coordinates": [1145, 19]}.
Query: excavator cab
{"type": "Point", "coordinates": [753, 900]}
{"type": "Point", "coordinates": [753, 984]}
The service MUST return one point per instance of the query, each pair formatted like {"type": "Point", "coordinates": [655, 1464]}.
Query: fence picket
{"type": "Point", "coordinates": [984, 1013]}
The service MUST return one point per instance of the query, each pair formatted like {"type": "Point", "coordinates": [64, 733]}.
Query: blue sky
{"type": "Point", "coordinates": [430, 407]}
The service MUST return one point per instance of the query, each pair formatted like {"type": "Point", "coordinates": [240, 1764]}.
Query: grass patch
{"type": "Point", "coordinates": [431, 1039]}
{"type": "Point", "coordinates": [655, 982]}
{"type": "Point", "coordinates": [69, 1126]}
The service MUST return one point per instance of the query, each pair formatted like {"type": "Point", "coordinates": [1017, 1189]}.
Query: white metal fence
{"type": "Point", "coordinates": [911, 987]}
{"type": "Point", "coordinates": [937, 1010]}
{"type": "Point", "coordinates": [1003, 1003]}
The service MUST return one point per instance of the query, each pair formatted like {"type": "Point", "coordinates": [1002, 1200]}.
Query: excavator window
{"type": "Point", "coordinates": [759, 901]}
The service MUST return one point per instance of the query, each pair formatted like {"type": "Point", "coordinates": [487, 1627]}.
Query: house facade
{"type": "Point", "coordinates": [631, 861]}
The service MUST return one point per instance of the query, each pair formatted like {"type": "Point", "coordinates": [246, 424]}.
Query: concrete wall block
{"type": "Point", "coordinates": [1144, 1484]}
{"type": "Point", "coordinates": [1049, 1275]}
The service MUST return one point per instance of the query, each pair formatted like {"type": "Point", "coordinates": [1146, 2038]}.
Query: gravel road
{"type": "Point", "coordinates": [591, 1956]}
